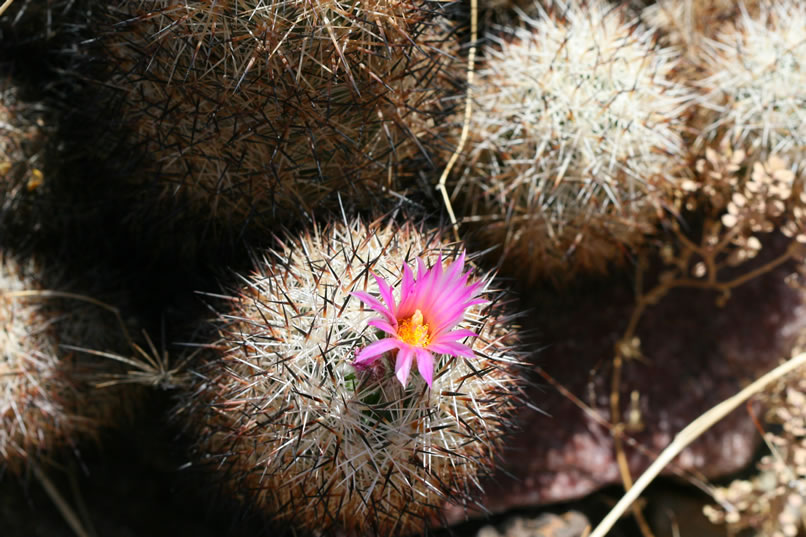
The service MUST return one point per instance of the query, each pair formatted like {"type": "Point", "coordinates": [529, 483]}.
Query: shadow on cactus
{"type": "Point", "coordinates": [24, 129]}
{"type": "Point", "coordinates": [48, 398]}
{"type": "Point", "coordinates": [255, 111]}
{"type": "Point", "coordinates": [311, 415]}
{"type": "Point", "coordinates": [575, 135]}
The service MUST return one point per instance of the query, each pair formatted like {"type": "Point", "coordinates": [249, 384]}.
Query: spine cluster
{"type": "Point", "coordinates": [576, 134]}
{"type": "Point", "coordinates": [755, 76]}
{"type": "Point", "coordinates": [255, 111]}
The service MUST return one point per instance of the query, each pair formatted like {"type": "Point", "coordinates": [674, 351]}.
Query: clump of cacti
{"type": "Point", "coordinates": [311, 406]}
{"type": "Point", "coordinates": [755, 80]}
{"type": "Point", "coordinates": [48, 397]}
{"type": "Point", "coordinates": [254, 111]}
{"type": "Point", "coordinates": [575, 134]}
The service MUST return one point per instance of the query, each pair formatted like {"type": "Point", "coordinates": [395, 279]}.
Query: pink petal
{"type": "Point", "coordinates": [386, 294]}
{"type": "Point", "coordinates": [430, 291]}
{"type": "Point", "coordinates": [371, 352]}
{"type": "Point", "coordinates": [403, 364]}
{"type": "Point", "coordinates": [448, 337]}
{"type": "Point", "coordinates": [425, 364]}
{"type": "Point", "coordinates": [408, 283]}
{"type": "Point", "coordinates": [421, 270]}
{"type": "Point", "coordinates": [383, 325]}
{"type": "Point", "coordinates": [454, 349]}
{"type": "Point", "coordinates": [455, 270]}
{"type": "Point", "coordinates": [373, 303]}
{"type": "Point", "coordinates": [450, 313]}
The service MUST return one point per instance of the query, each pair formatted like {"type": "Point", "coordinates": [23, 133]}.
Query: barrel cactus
{"type": "Point", "coordinates": [576, 135]}
{"type": "Point", "coordinates": [312, 407]}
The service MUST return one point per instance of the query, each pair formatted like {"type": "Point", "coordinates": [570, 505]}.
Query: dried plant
{"type": "Point", "coordinates": [253, 111]}
{"type": "Point", "coordinates": [746, 200]}
{"type": "Point", "coordinates": [755, 80]}
{"type": "Point", "coordinates": [302, 434]}
{"type": "Point", "coordinates": [722, 218]}
{"type": "Point", "coordinates": [771, 502]}
{"type": "Point", "coordinates": [576, 133]}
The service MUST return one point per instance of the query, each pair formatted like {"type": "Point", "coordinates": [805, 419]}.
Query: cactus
{"type": "Point", "coordinates": [254, 111]}
{"type": "Point", "coordinates": [47, 396]}
{"type": "Point", "coordinates": [575, 137]}
{"type": "Point", "coordinates": [689, 23]}
{"type": "Point", "coordinates": [23, 134]}
{"type": "Point", "coordinates": [311, 435]}
{"type": "Point", "coordinates": [755, 80]}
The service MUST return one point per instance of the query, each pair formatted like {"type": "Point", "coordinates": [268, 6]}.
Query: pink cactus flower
{"type": "Point", "coordinates": [422, 322]}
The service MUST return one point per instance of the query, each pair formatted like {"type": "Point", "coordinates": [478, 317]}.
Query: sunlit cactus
{"type": "Point", "coordinates": [48, 398]}
{"type": "Point", "coordinates": [576, 132]}
{"type": "Point", "coordinates": [308, 433]}
{"type": "Point", "coordinates": [755, 81]}
{"type": "Point", "coordinates": [252, 111]}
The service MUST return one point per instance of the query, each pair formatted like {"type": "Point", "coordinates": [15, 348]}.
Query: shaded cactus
{"type": "Point", "coordinates": [47, 394]}
{"type": "Point", "coordinates": [24, 129]}
{"type": "Point", "coordinates": [254, 111]}
{"type": "Point", "coordinates": [308, 438]}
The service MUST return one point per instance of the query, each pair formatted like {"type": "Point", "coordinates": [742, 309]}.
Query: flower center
{"type": "Point", "coordinates": [413, 331]}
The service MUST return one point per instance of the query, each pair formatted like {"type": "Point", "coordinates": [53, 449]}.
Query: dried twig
{"type": "Point", "coordinates": [61, 504]}
{"type": "Point", "coordinates": [471, 71]}
{"type": "Point", "coordinates": [5, 6]}
{"type": "Point", "coordinates": [693, 431]}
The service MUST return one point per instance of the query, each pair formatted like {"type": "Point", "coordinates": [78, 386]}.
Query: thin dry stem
{"type": "Point", "coordinates": [471, 70]}
{"type": "Point", "coordinates": [61, 504]}
{"type": "Point", "coordinates": [693, 431]}
{"type": "Point", "coordinates": [5, 6]}
{"type": "Point", "coordinates": [693, 477]}
{"type": "Point", "coordinates": [644, 300]}
{"type": "Point", "coordinates": [45, 293]}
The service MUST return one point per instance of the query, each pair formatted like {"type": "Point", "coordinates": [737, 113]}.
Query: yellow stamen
{"type": "Point", "coordinates": [413, 331]}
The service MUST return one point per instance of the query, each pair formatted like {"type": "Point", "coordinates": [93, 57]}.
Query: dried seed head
{"type": "Point", "coordinates": [310, 439]}
{"type": "Point", "coordinates": [743, 198]}
{"type": "Point", "coordinates": [576, 132]}
{"type": "Point", "coordinates": [770, 502]}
